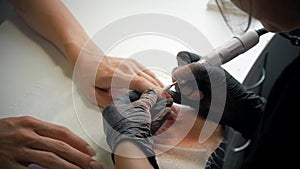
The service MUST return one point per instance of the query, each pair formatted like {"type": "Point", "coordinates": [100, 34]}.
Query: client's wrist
{"type": "Point", "coordinates": [72, 52]}
{"type": "Point", "coordinates": [81, 49]}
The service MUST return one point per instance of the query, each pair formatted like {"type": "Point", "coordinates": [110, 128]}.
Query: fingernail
{"type": "Point", "coordinates": [94, 165]}
{"type": "Point", "coordinates": [166, 95]}
{"type": "Point", "coordinates": [90, 151]}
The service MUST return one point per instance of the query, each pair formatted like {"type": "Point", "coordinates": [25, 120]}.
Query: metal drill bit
{"type": "Point", "coordinates": [169, 86]}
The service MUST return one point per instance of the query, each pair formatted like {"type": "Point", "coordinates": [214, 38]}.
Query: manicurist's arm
{"type": "Point", "coordinates": [129, 126]}
{"type": "Point", "coordinates": [127, 160]}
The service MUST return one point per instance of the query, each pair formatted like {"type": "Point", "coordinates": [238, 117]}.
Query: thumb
{"type": "Point", "coordinates": [160, 120]}
{"type": "Point", "coordinates": [147, 99]}
{"type": "Point", "coordinates": [160, 112]}
{"type": "Point", "coordinates": [184, 73]}
{"type": "Point", "coordinates": [157, 109]}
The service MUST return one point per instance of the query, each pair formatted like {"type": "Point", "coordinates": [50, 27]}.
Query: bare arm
{"type": "Point", "coordinates": [132, 157]}
{"type": "Point", "coordinates": [52, 20]}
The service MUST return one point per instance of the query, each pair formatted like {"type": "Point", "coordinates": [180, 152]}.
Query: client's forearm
{"type": "Point", "coordinates": [52, 20]}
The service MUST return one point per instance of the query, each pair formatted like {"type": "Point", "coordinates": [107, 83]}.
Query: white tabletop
{"type": "Point", "coordinates": [36, 79]}
{"type": "Point", "coordinates": [94, 15]}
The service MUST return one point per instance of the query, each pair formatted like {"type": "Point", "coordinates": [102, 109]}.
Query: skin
{"type": "Point", "coordinates": [129, 162]}
{"type": "Point", "coordinates": [49, 19]}
{"type": "Point", "coordinates": [26, 140]}
{"type": "Point", "coordinates": [275, 15]}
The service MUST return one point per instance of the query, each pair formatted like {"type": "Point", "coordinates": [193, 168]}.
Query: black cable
{"type": "Point", "coordinates": [262, 31]}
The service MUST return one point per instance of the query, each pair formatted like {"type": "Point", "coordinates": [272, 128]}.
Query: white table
{"type": "Point", "coordinates": [36, 79]}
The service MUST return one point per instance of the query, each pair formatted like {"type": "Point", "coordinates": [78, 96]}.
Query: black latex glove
{"type": "Point", "coordinates": [136, 117]}
{"type": "Point", "coordinates": [211, 88]}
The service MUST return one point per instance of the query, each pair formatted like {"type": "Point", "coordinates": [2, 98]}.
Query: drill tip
{"type": "Point", "coordinates": [169, 86]}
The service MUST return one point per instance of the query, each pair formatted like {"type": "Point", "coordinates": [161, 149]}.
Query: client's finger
{"type": "Point", "coordinates": [149, 78]}
{"type": "Point", "coordinates": [154, 77]}
{"type": "Point", "coordinates": [139, 84]}
{"type": "Point", "coordinates": [103, 98]}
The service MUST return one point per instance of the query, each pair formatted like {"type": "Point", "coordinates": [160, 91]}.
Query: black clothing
{"type": "Point", "coordinates": [273, 143]}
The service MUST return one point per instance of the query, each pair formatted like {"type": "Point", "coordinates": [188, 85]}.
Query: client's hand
{"type": "Point", "coordinates": [96, 74]}
{"type": "Point", "coordinates": [210, 88]}
{"type": "Point", "coordinates": [135, 117]}
{"type": "Point", "coordinates": [25, 141]}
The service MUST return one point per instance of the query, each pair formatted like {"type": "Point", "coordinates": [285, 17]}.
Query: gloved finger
{"type": "Point", "coordinates": [161, 111]}
{"type": "Point", "coordinates": [195, 95]}
{"type": "Point", "coordinates": [134, 95]}
{"type": "Point", "coordinates": [187, 79]}
{"type": "Point", "coordinates": [175, 95]}
{"type": "Point", "coordinates": [160, 120]}
{"type": "Point", "coordinates": [188, 72]}
{"type": "Point", "coordinates": [157, 109]}
{"type": "Point", "coordinates": [184, 58]}
{"type": "Point", "coordinates": [125, 99]}
{"type": "Point", "coordinates": [147, 100]}
{"type": "Point", "coordinates": [192, 90]}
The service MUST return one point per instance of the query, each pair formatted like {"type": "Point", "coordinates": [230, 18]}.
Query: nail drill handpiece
{"type": "Point", "coordinates": [231, 49]}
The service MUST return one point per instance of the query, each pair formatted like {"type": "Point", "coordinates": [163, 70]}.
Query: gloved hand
{"type": "Point", "coordinates": [213, 89]}
{"type": "Point", "coordinates": [136, 117]}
